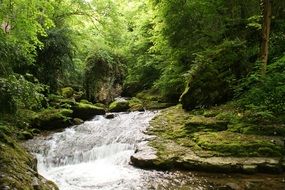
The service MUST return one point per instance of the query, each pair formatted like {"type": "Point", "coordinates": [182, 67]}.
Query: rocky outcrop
{"type": "Point", "coordinates": [208, 140]}
{"type": "Point", "coordinates": [104, 76]}
{"type": "Point", "coordinates": [178, 157]}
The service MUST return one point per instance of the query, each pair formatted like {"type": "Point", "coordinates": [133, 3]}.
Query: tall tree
{"type": "Point", "coordinates": [267, 15]}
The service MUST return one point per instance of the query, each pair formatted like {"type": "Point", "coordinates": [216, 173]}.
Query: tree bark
{"type": "Point", "coordinates": [267, 15]}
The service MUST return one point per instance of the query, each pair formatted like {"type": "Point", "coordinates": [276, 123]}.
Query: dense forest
{"type": "Point", "coordinates": [65, 61]}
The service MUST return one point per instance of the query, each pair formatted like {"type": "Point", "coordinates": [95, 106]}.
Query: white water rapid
{"type": "Point", "coordinates": [96, 154]}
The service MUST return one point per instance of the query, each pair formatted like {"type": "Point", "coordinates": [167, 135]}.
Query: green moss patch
{"type": "Point", "coordinates": [86, 111]}
{"type": "Point", "coordinates": [152, 101]}
{"type": "Point", "coordinates": [53, 119]}
{"type": "Point", "coordinates": [218, 131]}
{"type": "Point", "coordinates": [233, 144]}
{"type": "Point", "coordinates": [136, 104]}
{"type": "Point", "coordinates": [18, 167]}
{"type": "Point", "coordinates": [67, 92]}
{"type": "Point", "coordinates": [119, 106]}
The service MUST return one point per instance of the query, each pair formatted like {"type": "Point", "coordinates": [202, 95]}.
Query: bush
{"type": "Point", "coordinates": [214, 75]}
{"type": "Point", "coordinates": [17, 92]}
{"type": "Point", "coordinates": [267, 93]}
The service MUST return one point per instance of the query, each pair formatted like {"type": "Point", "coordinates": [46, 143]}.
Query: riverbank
{"type": "Point", "coordinates": [18, 167]}
{"type": "Point", "coordinates": [219, 139]}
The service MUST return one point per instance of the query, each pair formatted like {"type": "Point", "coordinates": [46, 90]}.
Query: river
{"type": "Point", "coordinates": [96, 154]}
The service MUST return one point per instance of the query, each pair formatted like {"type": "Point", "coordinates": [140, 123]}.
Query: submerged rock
{"type": "Point", "coordinates": [110, 116]}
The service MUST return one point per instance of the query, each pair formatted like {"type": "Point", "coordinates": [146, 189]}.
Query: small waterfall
{"type": "Point", "coordinates": [95, 154]}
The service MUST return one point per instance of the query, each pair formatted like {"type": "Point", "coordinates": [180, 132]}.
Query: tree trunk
{"type": "Point", "coordinates": [267, 14]}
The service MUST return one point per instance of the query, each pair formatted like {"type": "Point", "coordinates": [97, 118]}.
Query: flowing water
{"type": "Point", "coordinates": [96, 155]}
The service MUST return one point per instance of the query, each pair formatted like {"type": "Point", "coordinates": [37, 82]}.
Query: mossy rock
{"type": "Point", "coordinates": [201, 123]}
{"type": "Point", "coordinates": [50, 119]}
{"type": "Point", "coordinates": [63, 103]}
{"type": "Point", "coordinates": [136, 104]}
{"type": "Point", "coordinates": [152, 100]}
{"type": "Point", "coordinates": [25, 135]}
{"type": "Point", "coordinates": [18, 169]}
{"type": "Point", "coordinates": [67, 92]}
{"type": "Point", "coordinates": [233, 144]}
{"type": "Point", "coordinates": [119, 106]}
{"type": "Point", "coordinates": [149, 95]}
{"type": "Point", "coordinates": [77, 121]}
{"type": "Point", "coordinates": [84, 101]}
{"type": "Point", "coordinates": [86, 111]}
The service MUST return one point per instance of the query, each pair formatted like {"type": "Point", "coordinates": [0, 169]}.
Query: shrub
{"type": "Point", "coordinates": [267, 94]}
{"type": "Point", "coordinates": [17, 92]}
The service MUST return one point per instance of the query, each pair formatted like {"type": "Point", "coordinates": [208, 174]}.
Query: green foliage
{"type": "Point", "coordinates": [104, 71]}
{"type": "Point", "coordinates": [55, 58]}
{"type": "Point", "coordinates": [17, 92]}
{"type": "Point", "coordinates": [214, 74]}
{"type": "Point", "coordinates": [266, 94]}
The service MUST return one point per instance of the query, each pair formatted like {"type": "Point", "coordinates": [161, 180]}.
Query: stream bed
{"type": "Point", "coordinates": [96, 154]}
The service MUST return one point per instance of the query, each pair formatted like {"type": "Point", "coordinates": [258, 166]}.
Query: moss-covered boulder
{"type": "Point", "coordinates": [119, 105]}
{"type": "Point", "coordinates": [86, 111]}
{"type": "Point", "coordinates": [152, 100]}
{"type": "Point", "coordinates": [18, 169]}
{"type": "Point", "coordinates": [67, 92]}
{"type": "Point", "coordinates": [50, 119]}
{"type": "Point", "coordinates": [136, 104]}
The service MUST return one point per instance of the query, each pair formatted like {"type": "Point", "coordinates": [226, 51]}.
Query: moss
{"type": "Point", "coordinates": [152, 100]}
{"type": "Point", "coordinates": [136, 104]}
{"type": "Point", "coordinates": [201, 123]}
{"type": "Point", "coordinates": [119, 106]}
{"type": "Point", "coordinates": [52, 119]}
{"type": "Point", "coordinates": [18, 168]}
{"type": "Point", "coordinates": [85, 101]}
{"type": "Point", "coordinates": [223, 133]}
{"type": "Point", "coordinates": [149, 95]}
{"type": "Point", "coordinates": [67, 92]}
{"type": "Point", "coordinates": [86, 111]}
{"type": "Point", "coordinates": [233, 144]}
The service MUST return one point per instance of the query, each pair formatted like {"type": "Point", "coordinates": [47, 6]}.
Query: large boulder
{"type": "Point", "coordinates": [86, 111]}
{"type": "Point", "coordinates": [119, 105]}
{"type": "Point", "coordinates": [50, 119]}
